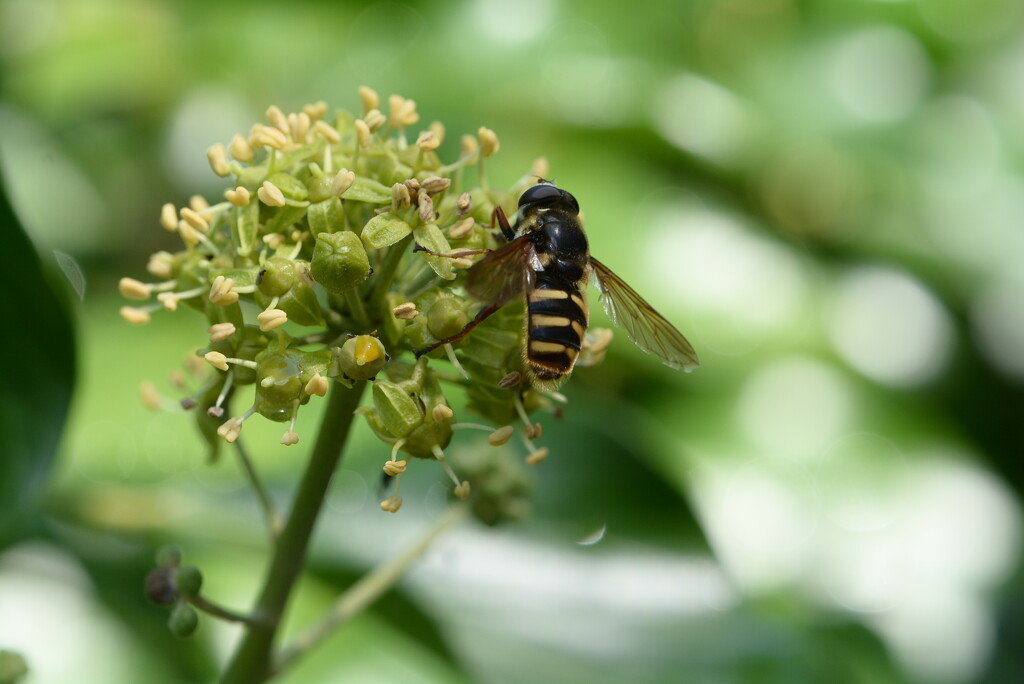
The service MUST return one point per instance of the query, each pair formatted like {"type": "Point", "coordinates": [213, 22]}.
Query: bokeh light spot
{"type": "Point", "coordinates": [706, 120]}
{"type": "Point", "coordinates": [792, 408]}
{"type": "Point", "coordinates": [997, 319]}
{"type": "Point", "coordinates": [880, 74]}
{"type": "Point", "coordinates": [889, 327]}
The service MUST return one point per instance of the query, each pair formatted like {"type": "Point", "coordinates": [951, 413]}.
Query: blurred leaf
{"type": "Point", "coordinates": [12, 667]}
{"type": "Point", "coordinates": [36, 386]}
{"type": "Point", "coordinates": [395, 608]}
{"type": "Point", "coordinates": [117, 568]}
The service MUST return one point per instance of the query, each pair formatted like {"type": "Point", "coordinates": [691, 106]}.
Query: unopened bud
{"type": "Point", "coordinates": [189, 580]}
{"type": "Point", "coordinates": [218, 159]}
{"type": "Point", "coordinates": [271, 195]}
{"type": "Point", "coordinates": [183, 621]}
{"type": "Point", "coordinates": [374, 120]}
{"type": "Point", "coordinates": [133, 289]}
{"type": "Point", "coordinates": [240, 197]}
{"type": "Point", "coordinates": [489, 144]}
{"type": "Point", "coordinates": [369, 99]}
{"type": "Point", "coordinates": [406, 311]}
{"type": "Point", "coordinates": [436, 184]}
{"type": "Point", "coordinates": [537, 456]}
{"type": "Point", "coordinates": [510, 380]}
{"type": "Point", "coordinates": [500, 436]}
{"type": "Point", "coordinates": [342, 181]}
{"type": "Point", "coordinates": [427, 141]}
{"type": "Point", "coordinates": [241, 149]}
{"type": "Point", "coordinates": [169, 217]}
{"type": "Point", "coordinates": [271, 319]}
{"type": "Point", "coordinates": [217, 360]}
{"type": "Point", "coordinates": [221, 331]}
{"type": "Point", "coordinates": [195, 219]}
{"type": "Point", "coordinates": [327, 132]}
{"type": "Point", "coordinates": [134, 315]}
{"type": "Point", "coordinates": [363, 134]}
{"type": "Point", "coordinates": [394, 468]}
{"type": "Point", "coordinates": [317, 385]}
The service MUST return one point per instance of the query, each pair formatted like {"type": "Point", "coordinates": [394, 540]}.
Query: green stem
{"type": "Point", "coordinates": [386, 274]}
{"type": "Point", "coordinates": [369, 588]}
{"type": "Point", "coordinates": [211, 608]}
{"type": "Point", "coordinates": [273, 519]}
{"type": "Point", "coordinates": [356, 308]}
{"type": "Point", "coordinates": [251, 661]}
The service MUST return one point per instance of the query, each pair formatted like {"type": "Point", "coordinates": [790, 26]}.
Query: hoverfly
{"type": "Point", "coordinates": [547, 259]}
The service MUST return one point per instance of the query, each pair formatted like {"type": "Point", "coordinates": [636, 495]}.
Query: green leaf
{"type": "Point", "coordinates": [431, 237]}
{"type": "Point", "coordinates": [384, 230]}
{"type": "Point", "coordinates": [36, 385]}
{"type": "Point", "coordinates": [367, 190]}
{"type": "Point", "coordinates": [245, 226]}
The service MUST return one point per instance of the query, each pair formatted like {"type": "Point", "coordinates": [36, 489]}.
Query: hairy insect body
{"type": "Point", "coordinates": [557, 314]}
{"type": "Point", "coordinates": [547, 259]}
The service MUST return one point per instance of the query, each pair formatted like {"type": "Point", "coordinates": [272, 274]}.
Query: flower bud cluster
{"type": "Point", "coordinates": [309, 283]}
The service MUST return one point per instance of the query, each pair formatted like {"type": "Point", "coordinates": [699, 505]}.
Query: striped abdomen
{"type": "Point", "coordinates": [556, 323]}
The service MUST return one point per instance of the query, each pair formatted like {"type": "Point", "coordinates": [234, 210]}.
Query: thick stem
{"type": "Point", "coordinates": [251, 661]}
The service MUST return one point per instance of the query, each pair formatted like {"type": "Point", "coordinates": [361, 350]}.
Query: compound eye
{"type": "Point", "coordinates": [571, 200]}
{"type": "Point", "coordinates": [539, 193]}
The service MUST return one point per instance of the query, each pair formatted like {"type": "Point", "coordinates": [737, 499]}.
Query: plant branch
{"type": "Point", "coordinates": [211, 608]}
{"type": "Point", "coordinates": [251, 661]}
{"type": "Point", "coordinates": [369, 588]}
{"type": "Point", "coordinates": [266, 503]}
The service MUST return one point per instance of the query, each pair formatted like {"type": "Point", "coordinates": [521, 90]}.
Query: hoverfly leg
{"type": "Point", "coordinates": [480, 318]}
{"type": "Point", "coordinates": [468, 252]}
{"type": "Point", "coordinates": [498, 216]}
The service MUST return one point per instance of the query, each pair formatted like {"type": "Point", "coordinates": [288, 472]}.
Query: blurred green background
{"type": "Point", "coordinates": [826, 196]}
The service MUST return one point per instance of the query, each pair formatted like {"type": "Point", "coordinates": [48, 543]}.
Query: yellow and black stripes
{"type": "Point", "coordinates": [557, 322]}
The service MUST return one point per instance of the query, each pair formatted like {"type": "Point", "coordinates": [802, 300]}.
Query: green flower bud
{"type": "Point", "coordinates": [291, 283]}
{"type": "Point", "coordinates": [280, 384]}
{"type": "Point", "coordinates": [319, 188]}
{"type": "Point", "coordinates": [168, 557]}
{"type": "Point", "coordinates": [362, 357]}
{"type": "Point", "coordinates": [446, 316]}
{"type": "Point", "coordinates": [432, 432]}
{"type": "Point", "coordinates": [160, 588]}
{"type": "Point", "coordinates": [339, 261]}
{"type": "Point", "coordinates": [189, 580]}
{"type": "Point", "coordinates": [276, 277]}
{"type": "Point", "coordinates": [384, 230]}
{"type": "Point", "coordinates": [183, 621]}
{"type": "Point", "coordinates": [399, 412]}
{"type": "Point", "coordinates": [501, 485]}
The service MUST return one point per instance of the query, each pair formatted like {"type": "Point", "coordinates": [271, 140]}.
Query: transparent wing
{"type": "Point", "coordinates": [502, 274]}
{"type": "Point", "coordinates": [646, 327]}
